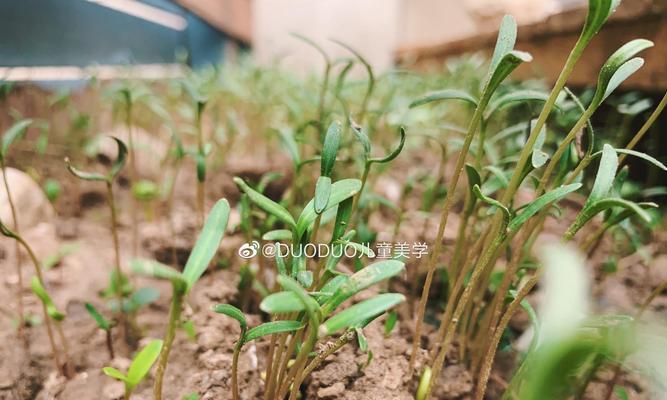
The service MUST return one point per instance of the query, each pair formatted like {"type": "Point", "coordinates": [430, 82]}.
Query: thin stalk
{"type": "Point", "coordinates": [19, 273]}
{"type": "Point", "coordinates": [562, 147]}
{"type": "Point", "coordinates": [170, 213]}
{"type": "Point", "coordinates": [329, 350]}
{"type": "Point", "coordinates": [269, 361]}
{"type": "Point", "coordinates": [300, 364]}
{"type": "Point", "coordinates": [133, 178]}
{"type": "Point", "coordinates": [454, 295]}
{"type": "Point", "coordinates": [484, 261]}
{"type": "Point", "coordinates": [235, 368]}
{"type": "Point", "coordinates": [355, 202]}
{"type": "Point", "coordinates": [109, 344]}
{"type": "Point", "coordinates": [68, 368]}
{"type": "Point", "coordinates": [47, 318]}
{"type": "Point", "coordinates": [449, 201]}
{"type": "Point", "coordinates": [527, 150]}
{"type": "Point", "coordinates": [174, 317]}
{"type": "Point", "coordinates": [201, 188]}
{"type": "Point", "coordinates": [122, 320]}
{"type": "Point", "coordinates": [642, 131]}
{"type": "Point", "coordinates": [487, 363]}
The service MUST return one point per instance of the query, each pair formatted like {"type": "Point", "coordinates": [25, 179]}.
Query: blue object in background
{"type": "Point", "coordinates": [83, 33]}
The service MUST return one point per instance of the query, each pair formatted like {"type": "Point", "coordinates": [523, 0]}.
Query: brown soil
{"type": "Point", "coordinates": [202, 365]}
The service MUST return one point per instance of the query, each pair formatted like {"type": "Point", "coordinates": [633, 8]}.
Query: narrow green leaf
{"type": "Point", "coordinates": [305, 278]}
{"type": "Point", "coordinates": [143, 362]}
{"type": "Point", "coordinates": [270, 328]}
{"type": "Point", "coordinates": [505, 67]}
{"type": "Point", "coordinates": [394, 153]}
{"type": "Point", "coordinates": [618, 67]}
{"type": "Point", "coordinates": [360, 312]}
{"type": "Point", "coordinates": [14, 132]}
{"type": "Point", "coordinates": [539, 157]}
{"type": "Point", "coordinates": [598, 12]}
{"type": "Point", "coordinates": [322, 193]}
{"type": "Point", "coordinates": [281, 303]}
{"type": "Point", "coordinates": [41, 293]}
{"type": "Point", "coordinates": [605, 175]}
{"type": "Point", "coordinates": [277, 235]}
{"type": "Point", "coordinates": [515, 96]}
{"type": "Point", "coordinates": [538, 204]}
{"type": "Point", "coordinates": [473, 177]}
{"type": "Point", "coordinates": [207, 243]}
{"type": "Point", "coordinates": [99, 319]}
{"type": "Point", "coordinates": [331, 287]}
{"type": "Point", "coordinates": [361, 280]}
{"type": "Point", "coordinates": [643, 156]}
{"type": "Point", "coordinates": [265, 203]}
{"type": "Point", "coordinates": [390, 323]}
{"type": "Point", "coordinates": [446, 94]}
{"type": "Point", "coordinates": [330, 148]}
{"type": "Point", "coordinates": [343, 214]}
{"type": "Point", "coordinates": [340, 191]}
{"type": "Point", "coordinates": [287, 139]}
{"type": "Point", "coordinates": [504, 43]}
{"type": "Point", "coordinates": [605, 204]}
{"type": "Point", "coordinates": [361, 137]}
{"type": "Point", "coordinates": [114, 373]}
{"type": "Point", "coordinates": [233, 312]}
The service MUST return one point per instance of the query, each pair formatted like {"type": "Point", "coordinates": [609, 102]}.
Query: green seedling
{"type": "Point", "coordinates": [504, 60]}
{"type": "Point", "coordinates": [139, 367]}
{"type": "Point", "coordinates": [248, 335]}
{"type": "Point", "coordinates": [57, 316]}
{"type": "Point", "coordinates": [600, 198]}
{"type": "Point", "coordinates": [61, 364]}
{"type": "Point", "coordinates": [318, 311]}
{"type": "Point", "coordinates": [108, 179]}
{"type": "Point", "coordinates": [368, 160]}
{"type": "Point", "coordinates": [126, 96]}
{"type": "Point", "coordinates": [197, 90]}
{"type": "Point", "coordinates": [203, 252]}
{"type": "Point", "coordinates": [15, 132]}
{"type": "Point", "coordinates": [104, 325]}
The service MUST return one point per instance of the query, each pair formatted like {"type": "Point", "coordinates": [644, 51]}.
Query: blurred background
{"type": "Point", "coordinates": [52, 40]}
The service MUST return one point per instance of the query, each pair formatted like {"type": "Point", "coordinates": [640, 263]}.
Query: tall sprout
{"type": "Point", "coordinates": [47, 308]}
{"type": "Point", "coordinates": [13, 133]}
{"type": "Point", "coordinates": [205, 249]}
{"type": "Point", "coordinates": [108, 179]}
{"type": "Point", "coordinates": [505, 59]}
